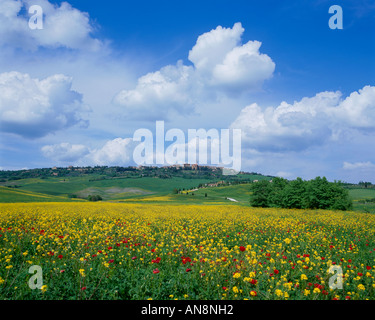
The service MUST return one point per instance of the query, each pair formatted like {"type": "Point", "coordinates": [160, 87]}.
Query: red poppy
{"type": "Point", "coordinates": [242, 248]}
{"type": "Point", "coordinates": [276, 271]}
{"type": "Point", "coordinates": [157, 260]}
{"type": "Point", "coordinates": [185, 260]}
{"type": "Point", "coordinates": [188, 270]}
{"type": "Point", "coordinates": [60, 256]}
{"type": "Point", "coordinates": [155, 271]}
{"type": "Point", "coordinates": [368, 268]}
{"type": "Point", "coordinates": [133, 258]}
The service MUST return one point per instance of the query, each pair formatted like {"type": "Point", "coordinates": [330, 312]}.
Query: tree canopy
{"type": "Point", "coordinates": [318, 193]}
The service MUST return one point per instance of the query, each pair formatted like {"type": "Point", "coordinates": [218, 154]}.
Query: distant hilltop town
{"type": "Point", "coordinates": [185, 166]}
{"type": "Point", "coordinates": [105, 172]}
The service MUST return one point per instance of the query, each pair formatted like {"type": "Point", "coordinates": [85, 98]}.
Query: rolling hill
{"type": "Point", "coordinates": [156, 185]}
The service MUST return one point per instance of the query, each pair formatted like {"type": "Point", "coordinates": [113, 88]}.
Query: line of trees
{"type": "Point", "coordinates": [318, 193]}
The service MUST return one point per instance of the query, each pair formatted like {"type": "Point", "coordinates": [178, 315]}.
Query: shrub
{"type": "Point", "coordinates": [94, 198]}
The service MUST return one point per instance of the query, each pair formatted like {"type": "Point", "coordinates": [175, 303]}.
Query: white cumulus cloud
{"type": "Point", "coordinates": [63, 26]}
{"type": "Point", "coordinates": [159, 93]}
{"type": "Point", "coordinates": [308, 122]}
{"type": "Point", "coordinates": [65, 152]}
{"type": "Point", "coordinates": [222, 65]}
{"type": "Point", "coordinates": [33, 108]}
{"type": "Point", "coordinates": [118, 151]}
{"type": "Point", "coordinates": [115, 152]}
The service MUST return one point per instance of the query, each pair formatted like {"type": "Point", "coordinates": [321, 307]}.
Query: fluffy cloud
{"type": "Point", "coordinates": [220, 59]}
{"type": "Point", "coordinates": [63, 26]}
{"type": "Point", "coordinates": [159, 93]}
{"type": "Point", "coordinates": [358, 109]}
{"type": "Point", "coordinates": [114, 152]}
{"type": "Point", "coordinates": [65, 152]}
{"type": "Point", "coordinates": [221, 65]}
{"type": "Point", "coordinates": [308, 122]}
{"type": "Point", "coordinates": [243, 68]}
{"type": "Point", "coordinates": [33, 108]}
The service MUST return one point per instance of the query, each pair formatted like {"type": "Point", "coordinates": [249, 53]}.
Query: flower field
{"type": "Point", "coordinates": [139, 251]}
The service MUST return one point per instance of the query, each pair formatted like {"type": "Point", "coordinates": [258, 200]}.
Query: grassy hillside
{"type": "Point", "coordinates": [361, 199]}
{"type": "Point", "coordinates": [145, 189]}
{"type": "Point", "coordinates": [238, 193]}
{"type": "Point", "coordinates": [10, 195]}
{"type": "Point", "coordinates": [112, 183]}
{"type": "Point", "coordinates": [110, 189]}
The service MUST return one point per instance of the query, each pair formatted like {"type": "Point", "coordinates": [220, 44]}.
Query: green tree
{"type": "Point", "coordinates": [318, 193]}
{"type": "Point", "coordinates": [294, 195]}
{"type": "Point", "coordinates": [276, 196]}
{"type": "Point", "coordinates": [261, 192]}
{"type": "Point", "coordinates": [340, 197]}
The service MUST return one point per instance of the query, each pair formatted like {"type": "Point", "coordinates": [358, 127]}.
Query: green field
{"type": "Point", "coordinates": [239, 193]}
{"type": "Point", "coordinates": [10, 195]}
{"type": "Point", "coordinates": [145, 189]}
{"type": "Point", "coordinates": [60, 189]}
{"type": "Point", "coordinates": [360, 199]}
{"type": "Point", "coordinates": [53, 189]}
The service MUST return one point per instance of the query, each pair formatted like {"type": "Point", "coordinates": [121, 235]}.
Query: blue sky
{"type": "Point", "coordinates": [75, 92]}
